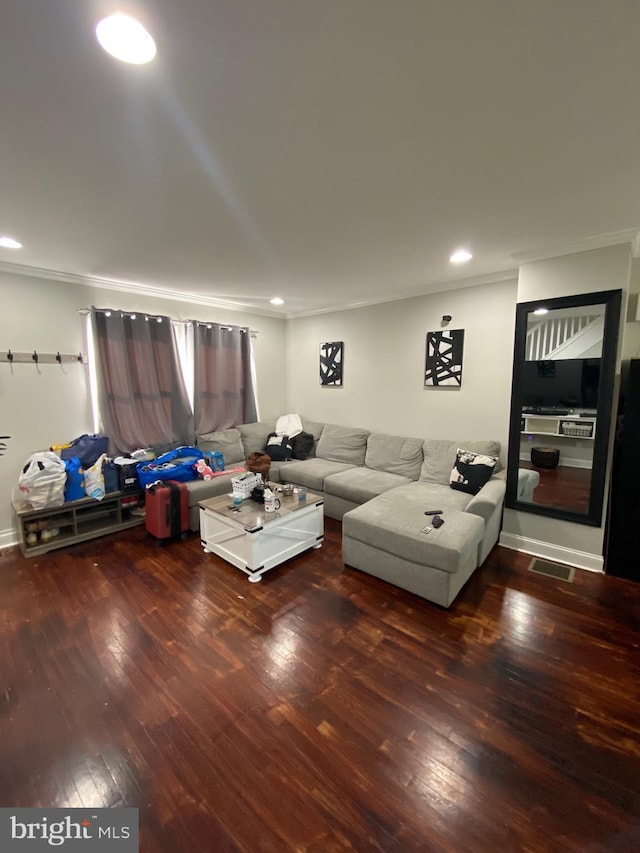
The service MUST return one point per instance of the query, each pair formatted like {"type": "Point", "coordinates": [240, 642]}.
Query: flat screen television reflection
{"type": "Point", "coordinates": [570, 383]}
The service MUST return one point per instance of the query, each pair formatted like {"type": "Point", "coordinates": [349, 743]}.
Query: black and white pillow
{"type": "Point", "coordinates": [471, 471]}
{"type": "Point", "coordinates": [279, 447]}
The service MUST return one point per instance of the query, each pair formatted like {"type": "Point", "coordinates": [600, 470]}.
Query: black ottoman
{"type": "Point", "coordinates": [545, 457]}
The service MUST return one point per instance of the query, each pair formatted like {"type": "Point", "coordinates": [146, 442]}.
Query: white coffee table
{"type": "Point", "coordinates": [256, 541]}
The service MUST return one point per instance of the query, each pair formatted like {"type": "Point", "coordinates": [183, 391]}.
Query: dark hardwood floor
{"type": "Point", "coordinates": [322, 709]}
{"type": "Point", "coordinates": [563, 487]}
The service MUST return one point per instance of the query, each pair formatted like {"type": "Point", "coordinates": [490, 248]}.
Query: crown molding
{"type": "Point", "coordinates": [436, 287]}
{"type": "Point", "coordinates": [135, 288]}
{"type": "Point", "coordinates": [210, 301]}
{"type": "Point", "coordinates": [615, 238]}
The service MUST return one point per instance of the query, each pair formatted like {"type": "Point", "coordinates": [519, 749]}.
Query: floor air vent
{"type": "Point", "coordinates": [552, 570]}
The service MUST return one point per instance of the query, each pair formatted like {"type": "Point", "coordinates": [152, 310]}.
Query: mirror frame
{"type": "Point", "coordinates": [612, 300]}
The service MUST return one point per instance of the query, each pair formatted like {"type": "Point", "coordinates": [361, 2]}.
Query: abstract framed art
{"type": "Point", "coordinates": [331, 364]}
{"type": "Point", "coordinates": [444, 358]}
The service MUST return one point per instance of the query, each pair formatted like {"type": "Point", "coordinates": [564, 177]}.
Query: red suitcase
{"type": "Point", "coordinates": [167, 510]}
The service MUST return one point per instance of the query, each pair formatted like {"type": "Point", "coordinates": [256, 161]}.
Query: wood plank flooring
{"type": "Point", "coordinates": [322, 709]}
{"type": "Point", "coordinates": [562, 487]}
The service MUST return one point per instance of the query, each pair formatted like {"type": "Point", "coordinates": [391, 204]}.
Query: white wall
{"type": "Point", "coordinates": [46, 404]}
{"type": "Point", "coordinates": [568, 275]}
{"type": "Point", "coordinates": [384, 359]}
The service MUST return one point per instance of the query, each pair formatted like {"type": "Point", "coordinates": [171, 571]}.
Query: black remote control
{"type": "Point", "coordinates": [433, 512]}
{"type": "Point", "coordinates": [436, 521]}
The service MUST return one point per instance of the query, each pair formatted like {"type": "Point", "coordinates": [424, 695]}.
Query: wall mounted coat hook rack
{"type": "Point", "coordinates": [36, 357]}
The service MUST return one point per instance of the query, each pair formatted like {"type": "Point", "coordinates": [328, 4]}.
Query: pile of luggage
{"type": "Point", "coordinates": [63, 473]}
{"type": "Point", "coordinates": [82, 468]}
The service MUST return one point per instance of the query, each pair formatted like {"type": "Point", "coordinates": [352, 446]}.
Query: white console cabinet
{"type": "Point", "coordinates": [572, 435]}
{"type": "Point", "coordinates": [564, 426]}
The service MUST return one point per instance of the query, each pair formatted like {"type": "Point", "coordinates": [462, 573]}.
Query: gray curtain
{"type": "Point", "coordinates": [142, 397]}
{"type": "Point", "coordinates": [223, 385]}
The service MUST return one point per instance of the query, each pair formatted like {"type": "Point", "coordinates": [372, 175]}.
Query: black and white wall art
{"type": "Point", "coordinates": [331, 355]}
{"type": "Point", "coordinates": [444, 358]}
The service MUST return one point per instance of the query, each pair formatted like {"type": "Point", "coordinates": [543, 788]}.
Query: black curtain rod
{"type": "Point", "coordinates": [161, 317]}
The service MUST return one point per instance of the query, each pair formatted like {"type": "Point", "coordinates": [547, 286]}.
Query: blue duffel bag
{"type": "Point", "coordinates": [177, 465]}
{"type": "Point", "coordinates": [87, 448]}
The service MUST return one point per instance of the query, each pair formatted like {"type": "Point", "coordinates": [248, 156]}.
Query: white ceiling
{"type": "Point", "coordinates": [331, 152]}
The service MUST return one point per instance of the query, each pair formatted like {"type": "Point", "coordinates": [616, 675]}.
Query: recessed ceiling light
{"type": "Point", "coordinates": [126, 39]}
{"type": "Point", "coordinates": [460, 256]}
{"type": "Point", "coordinates": [9, 243]}
{"type": "Point", "coordinates": [541, 311]}
{"type": "Point", "coordinates": [277, 301]}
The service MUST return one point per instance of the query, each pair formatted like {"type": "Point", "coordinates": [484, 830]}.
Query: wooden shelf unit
{"type": "Point", "coordinates": [77, 521]}
{"type": "Point", "coordinates": [562, 426]}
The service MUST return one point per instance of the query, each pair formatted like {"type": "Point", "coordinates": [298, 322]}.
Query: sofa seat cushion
{"type": "Point", "coordinates": [432, 496]}
{"type": "Point", "coordinates": [343, 444]}
{"type": "Point", "coordinates": [393, 525]}
{"type": "Point", "coordinates": [202, 490]}
{"type": "Point", "coordinates": [394, 454]}
{"type": "Point", "coordinates": [359, 485]}
{"type": "Point", "coordinates": [278, 470]}
{"type": "Point", "coordinates": [311, 472]}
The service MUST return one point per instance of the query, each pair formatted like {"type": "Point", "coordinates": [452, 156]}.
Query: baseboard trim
{"type": "Point", "coordinates": [556, 553]}
{"type": "Point", "coordinates": [8, 538]}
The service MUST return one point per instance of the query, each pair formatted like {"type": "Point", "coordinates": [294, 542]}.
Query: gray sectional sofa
{"type": "Point", "coordinates": [379, 486]}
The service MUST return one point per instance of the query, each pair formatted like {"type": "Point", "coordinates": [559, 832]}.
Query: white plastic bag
{"type": "Point", "coordinates": [94, 479]}
{"type": "Point", "coordinates": [43, 479]}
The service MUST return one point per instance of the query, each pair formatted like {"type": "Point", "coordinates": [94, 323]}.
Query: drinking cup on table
{"type": "Point", "coordinates": [237, 498]}
{"type": "Point", "coordinates": [271, 503]}
{"type": "Point", "coordinates": [302, 494]}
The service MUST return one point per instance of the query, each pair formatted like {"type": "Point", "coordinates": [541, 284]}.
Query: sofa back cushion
{"type": "Point", "coordinates": [315, 428]}
{"type": "Point", "coordinates": [440, 457]}
{"type": "Point", "coordinates": [394, 454]}
{"type": "Point", "coordinates": [227, 441]}
{"type": "Point", "coordinates": [254, 436]}
{"type": "Point", "coordinates": [343, 444]}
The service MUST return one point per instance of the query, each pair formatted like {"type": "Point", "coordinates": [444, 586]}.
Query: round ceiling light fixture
{"type": "Point", "coordinates": [9, 243]}
{"type": "Point", "coordinates": [276, 301]}
{"type": "Point", "coordinates": [126, 39]}
{"type": "Point", "coordinates": [460, 256]}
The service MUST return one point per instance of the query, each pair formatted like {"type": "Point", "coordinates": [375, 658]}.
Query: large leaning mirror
{"type": "Point", "coordinates": [562, 393]}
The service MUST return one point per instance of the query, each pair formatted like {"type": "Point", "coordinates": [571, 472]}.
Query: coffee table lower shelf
{"type": "Point", "coordinates": [255, 541]}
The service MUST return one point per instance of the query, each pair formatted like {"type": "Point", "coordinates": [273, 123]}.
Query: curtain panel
{"type": "Point", "coordinates": [141, 391]}
{"type": "Point", "coordinates": [224, 393]}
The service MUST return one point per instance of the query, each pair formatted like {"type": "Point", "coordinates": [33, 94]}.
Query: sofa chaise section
{"type": "Point", "coordinates": [384, 536]}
